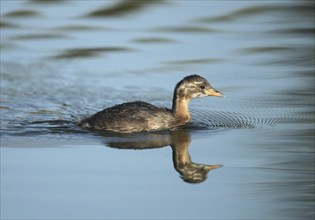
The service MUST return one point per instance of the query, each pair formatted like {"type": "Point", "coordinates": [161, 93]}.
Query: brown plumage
{"type": "Point", "coordinates": [141, 116]}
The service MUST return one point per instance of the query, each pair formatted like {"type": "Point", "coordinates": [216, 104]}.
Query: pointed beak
{"type": "Point", "coordinates": [213, 92]}
{"type": "Point", "coordinates": [211, 167]}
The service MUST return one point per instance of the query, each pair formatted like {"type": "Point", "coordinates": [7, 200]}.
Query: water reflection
{"type": "Point", "coordinates": [179, 140]}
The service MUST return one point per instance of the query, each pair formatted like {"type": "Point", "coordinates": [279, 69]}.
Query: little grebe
{"type": "Point", "coordinates": [141, 116]}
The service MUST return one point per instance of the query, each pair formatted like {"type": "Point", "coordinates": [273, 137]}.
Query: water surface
{"type": "Point", "coordinates": [249, 155]}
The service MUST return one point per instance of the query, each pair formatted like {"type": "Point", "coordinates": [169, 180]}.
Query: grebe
{"type": "Point", "coordinates": [141, 116]}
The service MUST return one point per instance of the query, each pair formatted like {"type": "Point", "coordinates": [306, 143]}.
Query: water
{"type": "Point", "coordinates": [249, 155]}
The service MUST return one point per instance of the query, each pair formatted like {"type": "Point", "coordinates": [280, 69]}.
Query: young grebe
{"type": "Point", "coordinates": [141, 116]}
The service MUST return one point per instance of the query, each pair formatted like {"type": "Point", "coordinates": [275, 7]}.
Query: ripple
{"type": "Point", "coordinates": [153, 40]}
{"type": "Point", "coordinates": [22, 13]}
{"type": "Point", "coordinates": [255, 11]}
{"type": "Point", "coordinates": [122, 8]}
{"type": "Point", "coordinates": [43, 127]}
{"type": "Point", "coordinates": [227, 119]}
{"type": "Point", "coordinates": [185, 29]}
{"type": "Point", "coordinates": [294, 31]}
{"type": "Point", "coordinates": [259, 50]}
{"type": "Point", "coordinates": [41, 36]}
{"type": "Point", "coordinates": [195, 61]}
{"type": "Point", "coordinates": [83, 28]}
{"type": "Point", "coordinates": [47, 2]}
{"type": "Point", "coordinates": [4, 24]}
{"type": "Point", "coordinates": [244, 12]}
{"type": "Point", "coordinates": [89, 52]}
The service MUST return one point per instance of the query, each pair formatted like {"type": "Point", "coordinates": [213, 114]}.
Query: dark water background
{"type": "Point", "coordinates": [63, 60]}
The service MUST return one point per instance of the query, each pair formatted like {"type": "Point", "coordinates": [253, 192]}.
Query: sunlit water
{"type": "Point", "coordinates": [64, 60]}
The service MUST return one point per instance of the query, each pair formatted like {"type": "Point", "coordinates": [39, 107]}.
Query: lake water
{"type": "Point", "coordinates": [64, 60]}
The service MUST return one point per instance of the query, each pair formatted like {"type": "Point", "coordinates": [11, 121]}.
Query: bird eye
{"type": "Point", "coordinates": [202, 87]}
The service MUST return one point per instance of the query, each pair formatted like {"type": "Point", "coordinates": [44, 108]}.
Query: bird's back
{"type": "Point", "coordinates": [131, 117]}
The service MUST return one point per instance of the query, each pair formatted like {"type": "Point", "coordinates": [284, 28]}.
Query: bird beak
{"type": "Point", "coordinates": [213, 92]}
{"type": "Point", "coordinates": [211, 167]}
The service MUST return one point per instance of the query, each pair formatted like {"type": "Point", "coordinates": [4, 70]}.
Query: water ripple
{"type": "Point", "coordinates": [221, 119]}
{"type": "Point", "coordinates": [22, 13]}
{"type": "Point", "coordinates": [247, 118]}
{"type": "Point", "coordinates": [121, 8]}
{"type": "Point", "coordinates": [89, 52]}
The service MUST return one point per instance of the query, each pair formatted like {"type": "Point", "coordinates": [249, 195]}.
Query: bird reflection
{"type": "Point", "coordinates": [179, 140]}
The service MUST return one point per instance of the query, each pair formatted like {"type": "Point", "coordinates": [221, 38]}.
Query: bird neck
{"type": "Point", "coordinates": [180, 106]}
{"type": "Point", "coordinates": [180, 145]}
